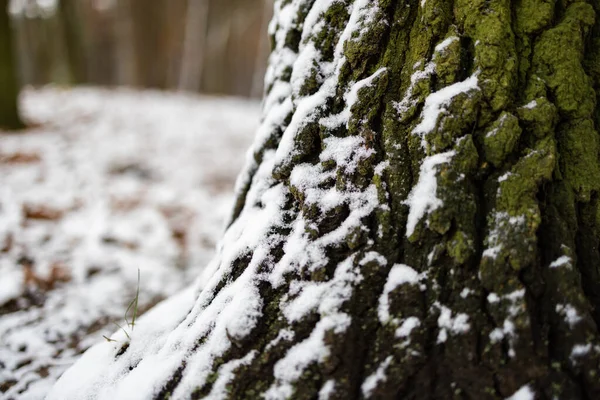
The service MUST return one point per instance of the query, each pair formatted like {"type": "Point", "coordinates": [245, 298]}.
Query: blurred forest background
{"type": "Point", "coordinates": [100, 183]}
{"type": "Point", "coordinates": [206, 46]}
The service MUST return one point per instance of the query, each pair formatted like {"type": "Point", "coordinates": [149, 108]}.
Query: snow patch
{"type": "Point", "coordinates": [569, 313]}
{"type": "Point", "coordinates": [524, 393]}
{"type": "Point", "coordinates": [327, 390]}
{"type": "Point", "coordinates": [459, 323]}
{"type": "Point", "coordinates": [440, 48]}
{"type": "Point", "coordinates": [423, 197]}
{"type": "Point", "coordinates": [407, 327]}
{"type": "Point", "coordinates": [370, 384]}
{"type": "Point", "coordinates": [157, 201]}
{"type": "Point", "coordinates": [561, 261]}
{"type": "Point", "coordinates": [580, 350]}
{"type": "Point", "coordinates": [227, 374]}
{"type": "Point", "coordinates": [299, 357]}
{"type": "Point", "coordinates": [399, 274]}
{"type": "Point", "coordinates": [436, 103]}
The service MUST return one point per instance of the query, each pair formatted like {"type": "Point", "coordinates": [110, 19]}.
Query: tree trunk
{"type": "Point", "coordinates": [124, 47]}
{"type": "Point", "coordinates": [9, 91]}
{"type": "Point", "coordinates": [72, 28]}
{"type": "Point", "coordinates": [192, 57]}
{"type": "Point", "coordinates": [419, 219]}
{"type": "Point", "coordinates": [150, 40]}
{"type": "Point", "coordinates": [262, 51]}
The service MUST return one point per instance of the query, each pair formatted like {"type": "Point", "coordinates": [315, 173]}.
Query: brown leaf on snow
{"type": "Point", "coordinates": [41, 212]}
{"type": "Point", "coordinates": [19, 157]}
{"type": "Point", "coordinates": [59, 273]}
{"type": "Point", "coordinates": [7, 243]}
{"type": "Point", "coordinates": [125, 204]}
{"type": "Point", "coordinates": [180, 220]}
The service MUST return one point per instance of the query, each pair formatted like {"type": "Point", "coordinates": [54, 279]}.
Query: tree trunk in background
{"type": "Point", "coordinates": [9, 90]}
{"type": "Point", "coordinates": [214, 48]}
{"type": "Point", "coordinates": [175, 21]}
{"type": "Point", "coordinates": [151, 42]}
{"type": "Point", "coordinates": [125, 68]}
{"type": "Point", "coordinates": [260, 60]}
{"type": "Point", "coordinates": [420, 218]}
{"type": "Point", "coordinates": [71, 19]}
{"type": "Point", "coordinates": [194, 40]}
{"type": "Point", "coordinates": [231, 46]}
{"type": "Point", "coordinates": [215, 72]}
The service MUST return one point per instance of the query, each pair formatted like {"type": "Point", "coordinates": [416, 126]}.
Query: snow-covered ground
{"type": "Point", "coordinates": [106, 182]}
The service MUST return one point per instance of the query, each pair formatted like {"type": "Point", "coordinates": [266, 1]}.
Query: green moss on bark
{"type": "Point", "coordinates": [500, 141]}
{"type": "Point", "coordinates": [485, 313]}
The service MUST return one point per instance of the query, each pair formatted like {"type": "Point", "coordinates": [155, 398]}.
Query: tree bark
{"type": "Point", "coordinates": [124, 48]}
{"type": "Point", "coordinates": [71, 19]}
{"type": "Point", "coordinates": [9, 90]}
{"type": "Point", "coordinates": [148, 24]}
{"type": "Point", "coordinates": [192, 58]}
{"type": "Point", "coordinates": [262, 51]}
{"type": "Point", "coordinates": [420, 215]}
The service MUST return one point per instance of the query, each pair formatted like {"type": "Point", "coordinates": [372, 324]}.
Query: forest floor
{"type": "Point", "coordinates": [106, 183]}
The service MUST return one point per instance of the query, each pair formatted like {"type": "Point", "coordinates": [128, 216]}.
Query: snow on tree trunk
{"type": "Point", "coordinates": [419, 218]}
{"type": "Point", "coordinates": [9, 115]}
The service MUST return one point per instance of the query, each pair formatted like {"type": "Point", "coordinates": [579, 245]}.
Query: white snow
{"type": "Point", "coordinates": [228, 308]}
{"type": "Point", "coordinates": [515, 303]}
{"type": "Point", "coordinates": [440, 48]}
{"type": "Point", "coordinates": [327, 390]}
{"type": "Point", "coordinates": [422, 198]}
{"type": "Point", "coordinates": [504, 177]}
{"type": "Point", "coordinates": [125, 180]}
{"type": "Point", "coordinates": [306, 108]}
{"type": "Point", "coordinates": [492, 252]}
{"type": "Point", "coordinates": [407, 100]}
{"type": "Point", "coordinates": [580, 350]}
{"type": "Point", "coordinates": [151, 332]}
{"type": "Point", "coordinates": [531, 105]}
{"type": "Point", "coordinates": [399, 274]}
{"type": "Point", "coordinates": [351, 97]}
{"type": "Point", "coordinates": [561, 261]}
{"type": "Point", "coordinates": [347, 151]}
{"type": "Point", "coordinates": [502, 221]}
{"type": "Point", "coordinates": [524, 393]}
{"type": "Point", "coordinates": [327, 297]}
{"type": "Point", "coordinates": [459, 323]}
{"type": "Point", "coordinates": [306, 61]}
{"type": "Point", "coordinates": [495, 131]}
{"type": "Point", "coordinates": [493, 298]}
{"type": "Point", "coordinates": [507, 330]}
{"type": "Point", "coordinates": [436, 103]}
{"type": "Point", "coordinates": [407, 327]}
{"type": "Point", "coordinates": [226, 375]}
{"type": "Point", "coordinates": [313, 349]}
{"type": "Point", "coordinates": [569, 313]}
{"type": "Point", "coordinates": [376, 378]}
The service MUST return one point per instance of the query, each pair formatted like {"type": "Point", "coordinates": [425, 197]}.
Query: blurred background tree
{"type": "Point", "coordinates": [208, 46]}
{"type": "Point", "coordinates": [9, 117]}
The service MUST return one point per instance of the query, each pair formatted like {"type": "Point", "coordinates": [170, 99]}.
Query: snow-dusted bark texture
{"type": "Point", "coordinates": [419, 217]}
